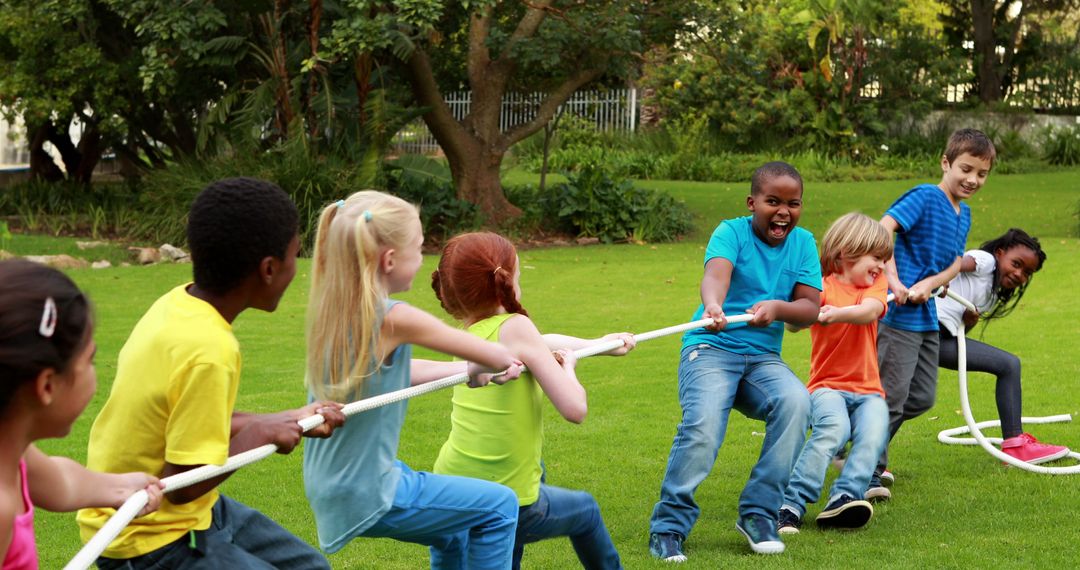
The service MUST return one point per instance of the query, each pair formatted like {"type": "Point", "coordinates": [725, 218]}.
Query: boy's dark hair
{"type": "Point", "coordinates": [771, 170]}
{"type": "Point", "coordinates": [1006, 299]}
{"type": "Point", "coordinates": [234, 223]}
{"type": "Point", "coordinates": [30, 340]}
{"type": "Point", "coordinates": [970, 141]}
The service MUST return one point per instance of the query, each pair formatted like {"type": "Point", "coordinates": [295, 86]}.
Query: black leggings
{"type": "Point", "coordinates": [982, 357]}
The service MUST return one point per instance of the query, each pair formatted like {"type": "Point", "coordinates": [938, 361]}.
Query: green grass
{"type": "Point", "coordinates": [954, 507]}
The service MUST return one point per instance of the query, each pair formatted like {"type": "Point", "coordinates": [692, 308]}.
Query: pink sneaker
{"type": "Point", "coordinates": [1026, 448]}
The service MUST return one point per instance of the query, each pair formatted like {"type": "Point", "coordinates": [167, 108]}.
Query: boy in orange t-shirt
{"type": "Point", "coordinates": [845, 388]}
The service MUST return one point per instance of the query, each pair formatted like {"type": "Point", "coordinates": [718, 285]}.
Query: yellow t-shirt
{"type": "Point", "coordinates": [172, 400]}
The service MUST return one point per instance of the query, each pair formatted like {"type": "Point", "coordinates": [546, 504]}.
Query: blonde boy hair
{"type": "Point", "coordinates": [345, 306]}
{"type": "Point", "coordinates": [850, 237]}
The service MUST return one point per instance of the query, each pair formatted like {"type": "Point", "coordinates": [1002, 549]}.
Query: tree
{"type": "Point", "coordinates": [998, 30]}
{"type": "Point", "coordinates": [552, 46]}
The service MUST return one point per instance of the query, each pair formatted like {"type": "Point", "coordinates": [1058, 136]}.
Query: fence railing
{"type": "Point", "coordinates": [608, 109]}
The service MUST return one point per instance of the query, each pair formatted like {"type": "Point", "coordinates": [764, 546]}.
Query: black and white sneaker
{"type": "Point", "coordinates": [845, 512]}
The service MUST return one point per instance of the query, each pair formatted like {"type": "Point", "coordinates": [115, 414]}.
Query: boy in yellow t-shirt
{"type": "Point", "coordinates": [171, 405]}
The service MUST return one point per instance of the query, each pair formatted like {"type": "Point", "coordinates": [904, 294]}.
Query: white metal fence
{"type": "Point", "coordinates": [608, 109]}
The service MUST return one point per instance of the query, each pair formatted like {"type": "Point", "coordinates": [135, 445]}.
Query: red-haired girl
{"type": "Point", "coordinates": [497, 432]}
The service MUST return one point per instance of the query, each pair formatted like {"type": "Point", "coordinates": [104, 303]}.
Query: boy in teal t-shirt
{"type": "Point", "coordinates": [760, 264]}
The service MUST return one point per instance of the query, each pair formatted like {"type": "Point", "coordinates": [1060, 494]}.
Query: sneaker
{"type": "Point", "coordinates": [846, 512]}
{"type": "Point", "coordinates": [887, 478]}
{"type": "Point", "coordinates": [1026, 448]}
{"type": "Point", "coordinates": [877, 494]}
{"type": "Point", "coordinates": [760, 532]}
{"type": "Point", "coordinates": [787, 522]}
{"type": "Point", "coordinates": [666, 546]}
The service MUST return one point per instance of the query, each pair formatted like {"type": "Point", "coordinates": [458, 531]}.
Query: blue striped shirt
{"type": "Point", "coordinates": [930, 238]}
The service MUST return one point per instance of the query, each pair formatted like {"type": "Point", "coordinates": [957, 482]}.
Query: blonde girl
{"type": "Point", "coordinates": [846, 397]}
{"type": "Point", "coordinates": [359, 344]}
{"type": "Point", "coordinates": [47, 378]}
{"type": "Point", "coordinates": [497, 433]}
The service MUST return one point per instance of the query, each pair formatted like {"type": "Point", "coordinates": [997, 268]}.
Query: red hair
{"type": "Point", "coordinates": [476, 276]}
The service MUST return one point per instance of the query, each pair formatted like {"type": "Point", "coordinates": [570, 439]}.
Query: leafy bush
{"type": "Point", "coordinates": [592, 204]}
{"type": "Point", "coordinates": [428, 184]}
{"type": "Point", "coordinates": [1062, 146]}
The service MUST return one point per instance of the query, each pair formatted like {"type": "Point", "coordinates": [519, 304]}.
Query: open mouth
{"type": "Point", "coordinates": [779, 229]}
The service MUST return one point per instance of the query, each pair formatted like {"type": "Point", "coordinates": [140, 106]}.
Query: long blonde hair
{"type": "Point", "coordinates": [345, 306]}
{"type": "Point", "coordinates": [850, 237]}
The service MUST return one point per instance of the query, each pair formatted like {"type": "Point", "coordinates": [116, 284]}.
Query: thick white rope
{"type": "Point", "coordinates": [126, 513]}
{"type": "Point", "coordinates": [974, 428]}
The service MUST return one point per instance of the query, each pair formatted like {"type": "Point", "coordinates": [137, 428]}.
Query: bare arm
{"type": "Point", "coordinates": [891, 274]}
{"type": "Point", "coordinates": [715, 285]}
{"type": "Point", "coordinates": [281, 429]}
{"type": "Point", "coordinates": [924, 289]}
{"type": "Point", "coordinates": [864, 313]}
{"type": "Point", "coordinates": [61, 485]}
{"type": "Point", "coordinates": [423, 371]}
{"type": "Point", "coordinates": [801, 311]}
{"type": "Point", "coordinates": [407, 324]}
{"type": "Point", "coordinates": [573, 343]}
{"type": "Point", "coordinates": [559, 381]}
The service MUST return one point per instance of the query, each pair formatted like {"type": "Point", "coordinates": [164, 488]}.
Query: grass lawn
{"type": "Point", "coordinates": [953, 507]}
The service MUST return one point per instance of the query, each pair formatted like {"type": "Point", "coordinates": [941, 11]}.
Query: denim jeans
{"type": "Point", "coordinates": [837, 417]}
{"type": "Point", "coordinates": [564, 512]}
{"type": "Point", "coordinates": [711, 383]}
{"type": "Point", "coordinates": [468, 523]}
{"type": "Point", "coordinates": [238, 537]}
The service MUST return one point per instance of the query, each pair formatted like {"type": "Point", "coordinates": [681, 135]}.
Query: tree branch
{"type": "Point", "coordinates": [550, 105]}
{"type": "Point", "coordinates": [440, 119]}
{"type": "Point", "coordinates": [479, 57]}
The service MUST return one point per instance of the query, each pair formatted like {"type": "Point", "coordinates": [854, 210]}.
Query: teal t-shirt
{"type": "Point", "coordinates": [350, 478]}
{"type": "Point", "coordinates": [761, 272]}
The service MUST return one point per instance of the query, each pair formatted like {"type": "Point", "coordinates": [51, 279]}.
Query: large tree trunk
{"type": "Point", "coordinates": [42, 166]}
{"type": "Point", "coordinates": [986, 72]}
{"type": "Point", "coordinates": [476, 177]}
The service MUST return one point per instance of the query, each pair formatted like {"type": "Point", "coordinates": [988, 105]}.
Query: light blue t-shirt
{"type": "Point", "coordinates": [930, 238]}
{"type": "Point", "coordinates": [350, 478]}
{"type": "Point", "coordinates": [761, 272]}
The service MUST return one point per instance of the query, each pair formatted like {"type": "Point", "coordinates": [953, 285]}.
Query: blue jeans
{"type": "Point", "coordinates": [238, 537]}
{"type": "Point", "coordinates": [711, 383]}
{"type": "Point", "coordinates": [468, 523]}
{"type": "Point", "coordinates": [837, 417]}
{"type": "Point", "coordinates": [563, 512]}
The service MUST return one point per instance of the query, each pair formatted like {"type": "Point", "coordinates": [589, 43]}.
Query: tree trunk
{"type": "Point", "coordinates": [986, 73]}
{"type": "Point", "coordinates": [476, 177]}
{"type": "Point", "coordinates": [42, 166]}
{"type": "Point", "coordinates": [89, 156]}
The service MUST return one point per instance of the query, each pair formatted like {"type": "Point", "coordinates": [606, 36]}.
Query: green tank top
{"type": "Point", "coordinates": [497, 432]}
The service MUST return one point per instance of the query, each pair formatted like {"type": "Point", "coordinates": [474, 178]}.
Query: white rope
{"type": "Point", "coordinates": [126, 513]}
{"type": "Point", "coordinates": [974, 428]}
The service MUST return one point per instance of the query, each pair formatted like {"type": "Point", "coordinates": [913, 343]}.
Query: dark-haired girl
{"type": "Point", "coordinates": [497, 433]}
{"type": "Point", "coordinates": [46, 379]}
{"type": "Point", "coordinates": [994, 278]}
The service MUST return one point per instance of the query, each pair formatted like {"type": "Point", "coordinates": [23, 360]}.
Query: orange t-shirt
{"type": "Point", "coordinates": [844, 356]}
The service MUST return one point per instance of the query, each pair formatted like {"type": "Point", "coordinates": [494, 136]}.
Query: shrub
{"type": "Point", "coordinates": [1062, 146]}
{"type": "Point", "coordinates": [592, 204]}
{"type": "Point", "coordinates": [428, 184]}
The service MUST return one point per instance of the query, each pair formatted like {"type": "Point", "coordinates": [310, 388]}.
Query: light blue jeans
{"type": "Point", "coordinates": [564, 512]}
{"type": "Point", "coordinates": [837, 417]}
{"type": "Point", "coordinates": [468, 523]}
{"type": "Point", "coordinates": [711, 383]}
